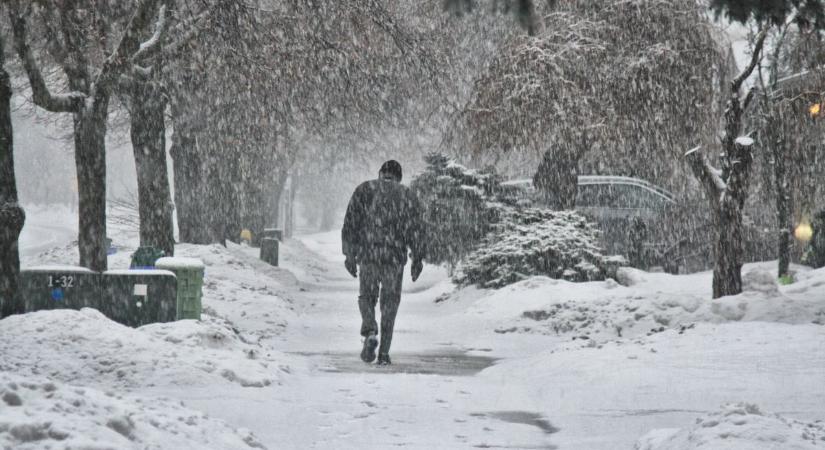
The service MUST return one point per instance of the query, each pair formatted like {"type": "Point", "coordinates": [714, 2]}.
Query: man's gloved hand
{"type": "Point", "coordinates": [351, 266]}
{"type": "Point", "coordinates": [417, 267]}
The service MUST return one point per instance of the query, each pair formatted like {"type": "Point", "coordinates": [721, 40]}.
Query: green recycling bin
{"type": "Point", "coordinates": [139, 297]}
{"type": "Point", "coordinates": [145, 257]}
{"type": "Point", "coordinates": [59, 287]}
{"type": "Point", "coordinates": [189, 272]}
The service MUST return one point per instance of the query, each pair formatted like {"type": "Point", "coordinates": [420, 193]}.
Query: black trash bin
{"type": "Point", "coordinates": [269, 251]}
{"type": "Point", "coordinates": [139, 297]}
{"type": "Point", "coordinates": [59, 287]}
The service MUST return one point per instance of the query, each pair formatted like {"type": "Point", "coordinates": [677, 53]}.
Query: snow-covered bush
{"type": "Point", "coordinates": [456, 214]}
{"type": "Point", "coordinates": [485, 229]}
{"type": "Point", "coordinates": [530, 241]}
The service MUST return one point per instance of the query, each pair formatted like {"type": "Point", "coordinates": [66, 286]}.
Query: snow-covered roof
{"type": "Point", "coordinates": [586, 180]}
{"type": "Point", "coordinates": [139, 272]}
{"type": "Point", "coordinates": [172, 262]}
{"type": "Point", "coordinates": [57, 268]}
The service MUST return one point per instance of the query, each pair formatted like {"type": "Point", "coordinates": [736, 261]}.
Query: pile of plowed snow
{"type": "Point", "coordinates": [36, 413]}
{"type": "Point", "coordinates": [86, 347]}
{"type": "Point", "coordinates": [739, 426]}
{"type": "Point", "coordinates": [646, 303]}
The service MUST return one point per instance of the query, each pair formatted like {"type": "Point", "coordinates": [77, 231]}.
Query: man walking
{"type": "Point", "coordinates": [383, 221]}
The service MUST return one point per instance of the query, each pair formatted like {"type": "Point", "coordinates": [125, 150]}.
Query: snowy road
{"type": "Point", "coordinates": [38, 237]}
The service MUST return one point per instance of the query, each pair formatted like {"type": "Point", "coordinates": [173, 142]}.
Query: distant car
{"type": "Point", "coordinates": [649, 226]}
{"type": "Point", "coordinates": [635, 217]}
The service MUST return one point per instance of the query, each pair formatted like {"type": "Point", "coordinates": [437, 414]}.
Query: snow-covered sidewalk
{"type": "Point", "coordinates": [539, 364]}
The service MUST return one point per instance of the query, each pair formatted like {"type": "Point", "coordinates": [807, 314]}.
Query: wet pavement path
{"type": "Point", "coordinates": [432, 396]}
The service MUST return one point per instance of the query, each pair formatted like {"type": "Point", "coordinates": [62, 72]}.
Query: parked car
{"type": "Point", "coordinates": [648, 224]}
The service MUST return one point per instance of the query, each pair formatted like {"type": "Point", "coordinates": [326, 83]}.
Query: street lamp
{"type": "Point", "coordinates": [803, 232]}
{"type": "Point", "coordinates": [814, 110]}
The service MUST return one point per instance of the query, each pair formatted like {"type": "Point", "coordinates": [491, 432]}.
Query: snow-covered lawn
{"type": "Point", "coordinates": [651, 363]}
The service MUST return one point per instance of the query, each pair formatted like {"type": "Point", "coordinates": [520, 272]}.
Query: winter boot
{"type": "Point", "coordinates": [368, 352]}
{"type": "Point", "coordinates": [384, 360]}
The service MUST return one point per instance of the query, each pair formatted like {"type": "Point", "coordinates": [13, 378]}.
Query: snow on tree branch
{"type": "Point", "coordinates": [154, 41]}
{"type": "Point", "coordinates": [129, 44]}
{"type": "Point", "coordinates": [709, 176]}
{"type": "Point", "coordinates": [744, 141]}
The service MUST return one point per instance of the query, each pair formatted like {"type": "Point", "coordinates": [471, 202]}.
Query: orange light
{"type": "Point", "coordinates": [803, 232]}
{"type": "Point", "coordinates": [815, 109]}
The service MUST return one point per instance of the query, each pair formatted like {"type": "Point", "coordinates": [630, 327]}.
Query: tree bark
{"type": "Point", "coordinates": [11, 214]}
{"type": "Point", "coordinates": [148, 134]}
{"type": "Point", "coordinates": [188, 169]}
{"type": "Point", "coordinates": [289, 220]}
{"type": "Point", "coordinates": [557, 178]}
{"type": "Point", "coordinates": [258, 184]}
{"type": "Point", "coordinates": [90, 162]}
{"type": "Point", "coordinates": [727, 270]}
{"type": "Point", "coordinates": [783, 198]}
{"type": "Point", "coordinates": [274, 199]}
{"type": "Point", "coordinates": [230, 200]}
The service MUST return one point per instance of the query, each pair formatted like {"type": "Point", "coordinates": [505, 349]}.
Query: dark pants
{"type": "Point", "coordinates": [387, 278]}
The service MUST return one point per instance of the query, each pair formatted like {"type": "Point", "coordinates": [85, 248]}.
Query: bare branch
{"type": "Point", "coordinates": [736, 84]}
{"type": "Point", "coordinates": [42, 97]}
{"type": "Point", "coordinates": [748, 98]}
{"type": "Point", "coordinates": [707, 175]}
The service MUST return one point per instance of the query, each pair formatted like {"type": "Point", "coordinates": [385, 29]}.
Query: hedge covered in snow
{"type": "Point", "coordinates": [478, 225]}
{"type": "Point", "coordinates": [455, 211]}
{"type": "Point", "coordinates": [530, 241]}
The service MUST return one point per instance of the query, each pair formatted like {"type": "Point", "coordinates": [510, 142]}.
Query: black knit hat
{"type": "Point", "coordinates": [391, 167]}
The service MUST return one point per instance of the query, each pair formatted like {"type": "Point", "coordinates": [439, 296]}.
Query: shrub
{"type": "Point", "coordinates": [530, 241]}
{"type": "Point", "coordinates": [485, 229]}
{"type": "Point", "coordinates": [455, 213]}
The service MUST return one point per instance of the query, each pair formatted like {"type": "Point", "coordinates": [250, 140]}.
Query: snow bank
{"type": "Point", "coordinates": [37, 413]}
{"type": "Point", "coordinates": [241, 288]}
{"type": "Point", "coordinates": [86, 347]}
{"type": "Point", "coordinates": [646, 303]}
{"type": "Point", "coordinates": [740, 426]}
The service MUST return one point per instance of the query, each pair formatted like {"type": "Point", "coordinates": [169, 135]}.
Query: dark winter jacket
{"type": "Point", "coordinates": [383, 220]}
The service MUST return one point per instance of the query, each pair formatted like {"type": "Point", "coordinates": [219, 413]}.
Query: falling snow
{"type": "Point", "coordinates": [605, 222]}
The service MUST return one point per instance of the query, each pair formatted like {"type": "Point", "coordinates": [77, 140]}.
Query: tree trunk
{"type": "Point", "coordinates": [274, 199]}
{"type": "Point", "coordinates": [148, 134]}
{"type": "Point", "coordinates": [783, 199]}
{"type": "Point", "coordinates": [187, 165]}
{"type": "Point", "coordinates": [11, 215]}
{"type": "Point", "coordinates": [329, 213]}
{"type": "Point", "coordinates": [727, 271]}
{"type": "Point", "coordinates": [289, 223]}
{"type": "Point", "coordinates": [230, 198]}
{"type": "Point", "coordinates": [258, 183]}
{"type": "Point", "coordinates": [557, 178]}
{"type": "Point", "coordinates": [90, 161]}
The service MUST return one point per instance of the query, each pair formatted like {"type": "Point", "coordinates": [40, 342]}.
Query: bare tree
{"type": "Point", "coordinates": [278, 77]}
{"type": "Point", "coordinates": [11, 214]}
{"type": "Point", "coordinates": [72, 34]}
{"type": "Point", "coordinates": [727, 190]}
